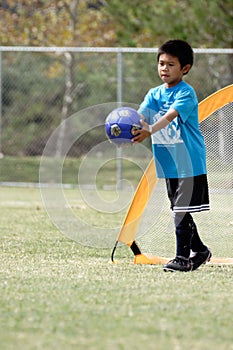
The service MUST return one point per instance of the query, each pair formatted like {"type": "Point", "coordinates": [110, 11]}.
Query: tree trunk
{"type": "Point", "coordinates": [67, 100]}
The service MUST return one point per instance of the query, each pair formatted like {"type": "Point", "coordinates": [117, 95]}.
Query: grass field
{"type": "Point", "coordinates": [57, 294]}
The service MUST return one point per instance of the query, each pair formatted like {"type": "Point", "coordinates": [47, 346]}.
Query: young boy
{"type": "Point", "coordinates": [170, 116]}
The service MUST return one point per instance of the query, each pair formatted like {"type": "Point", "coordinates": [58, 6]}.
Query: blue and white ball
{"type": "Point", "coordinates": [120, 123]}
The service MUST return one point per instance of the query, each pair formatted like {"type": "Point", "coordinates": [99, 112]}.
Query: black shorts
{"type": "Point", "coordinates": [188, 195]}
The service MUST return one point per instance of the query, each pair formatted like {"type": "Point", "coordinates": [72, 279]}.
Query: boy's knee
{"type": "Point", "coordinates": [183, 220]}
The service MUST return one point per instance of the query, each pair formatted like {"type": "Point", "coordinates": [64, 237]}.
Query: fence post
{"type": "Point", "coordinates": [1, 155]}
{"type": "Point", "coordinates": [119, 100]}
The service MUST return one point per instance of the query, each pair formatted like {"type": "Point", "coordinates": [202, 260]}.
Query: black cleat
{"type": "Point", "coordinates": [200, 258]}
{"type": "Point", "coordinates": [178, 264]}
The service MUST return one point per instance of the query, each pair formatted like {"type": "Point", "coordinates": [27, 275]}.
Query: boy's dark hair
{"type": "Point", "coordinates": [177, 48]}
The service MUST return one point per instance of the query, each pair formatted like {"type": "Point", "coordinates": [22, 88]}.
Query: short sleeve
{"type": "Point", "coordinates": [149, 106]}
{"type": "Point", "coordinates": [185, 104]}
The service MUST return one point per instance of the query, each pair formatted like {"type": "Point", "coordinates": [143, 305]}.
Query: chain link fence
{"type": "Point", "coordinates": [41, 87]}
{"type": "Point", "coordinates": [53, 104]}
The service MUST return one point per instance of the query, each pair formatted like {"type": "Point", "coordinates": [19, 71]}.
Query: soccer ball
{"type": "Point", "coordinates": [120, 123]}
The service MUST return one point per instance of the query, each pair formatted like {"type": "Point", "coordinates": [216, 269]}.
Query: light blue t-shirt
{"type": "Point", "coordinates": [179, 148]}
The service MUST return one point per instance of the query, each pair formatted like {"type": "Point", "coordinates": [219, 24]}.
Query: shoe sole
{"type": "Point", "coordinates": [166, 269]}
{"type": "Point", "coordinates": [208, 258]}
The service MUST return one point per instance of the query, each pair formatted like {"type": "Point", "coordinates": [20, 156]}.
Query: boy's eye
{"type": "Point", "coordinates": [163, 64]}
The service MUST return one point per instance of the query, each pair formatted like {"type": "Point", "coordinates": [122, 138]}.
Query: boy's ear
{"type": "Point", "coordinates": [186, 68]}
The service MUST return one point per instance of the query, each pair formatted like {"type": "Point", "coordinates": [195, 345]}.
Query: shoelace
{"type": "Point", "coordinates": [179, 261]}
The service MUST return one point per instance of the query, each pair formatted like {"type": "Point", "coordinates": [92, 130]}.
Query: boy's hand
{"type": "Point", "coordinates": [141, 134]}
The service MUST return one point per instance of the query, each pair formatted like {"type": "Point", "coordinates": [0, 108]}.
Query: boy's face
{"type": "Point", "coordinates": [170, 71]}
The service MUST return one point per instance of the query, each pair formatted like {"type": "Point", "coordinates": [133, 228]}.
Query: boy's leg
{"type": "Point", "coordinates": [201, 253]}
{"type": "Point", "coordinates": [196, 242]}
{"type": "Point", "coordinates": [188, 194]}
{"type": "Point", "coordinates": [184, 233]}
{"type": "Point", "coordinates": [183, 230]}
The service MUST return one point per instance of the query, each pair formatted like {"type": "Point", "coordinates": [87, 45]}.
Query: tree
{"type": "Point", "coordinates": [53, 23]}
{"type": "Point", "coordinates": [206, 23]}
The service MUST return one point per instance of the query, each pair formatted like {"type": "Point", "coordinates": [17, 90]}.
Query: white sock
{"type": "Point", "coordinates": [192, 253]}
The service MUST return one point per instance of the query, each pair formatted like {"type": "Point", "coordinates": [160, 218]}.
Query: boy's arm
{"type": "Point", "coordinates": [147, 129]}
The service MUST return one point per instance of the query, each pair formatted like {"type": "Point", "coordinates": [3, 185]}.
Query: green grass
{"type": "Point", "coordinates": [56, 294]}
{"type": "Point", "coordinates": [26, 169]}
{"type": "Point", "coordinates": [21, 169]}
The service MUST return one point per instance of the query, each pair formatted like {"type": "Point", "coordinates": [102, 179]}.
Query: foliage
{"type": "Point", "coordinates": [27, 96]}
{"type": "Point", "coordinates": [54, 23]}
{"type": "Point", "coordinates": [205, 23]}
{"type": "Point", "coordinates": [212, 22]}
